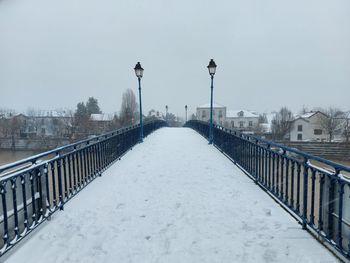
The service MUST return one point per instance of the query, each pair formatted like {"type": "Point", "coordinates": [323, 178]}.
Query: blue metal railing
{"type": "Point", "coordinates": [34, 188]}
{"type": "Point", "coordinates": [315, 190]}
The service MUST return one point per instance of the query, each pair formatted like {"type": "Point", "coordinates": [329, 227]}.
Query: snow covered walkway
{"type": "Point", "coordinates": [173, 198]}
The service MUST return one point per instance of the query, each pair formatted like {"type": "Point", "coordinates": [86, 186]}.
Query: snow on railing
{"type": "Point", "coordinates": [315, 190]}
{"type": "Point", "coordinates": [34, 188]}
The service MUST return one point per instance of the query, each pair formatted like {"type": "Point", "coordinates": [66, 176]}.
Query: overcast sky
{"type": "Point", "coordinates": [269, 53]}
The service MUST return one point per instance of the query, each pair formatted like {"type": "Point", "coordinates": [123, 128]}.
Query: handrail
{"type": "Point", "coordinates": [32, 190]}
{"type": "Point", "coordinates": [336, 165]}
{"type": "Point", "coordinates": [34, 158]}
{"type": "Point", "coordinates": [317, 197]}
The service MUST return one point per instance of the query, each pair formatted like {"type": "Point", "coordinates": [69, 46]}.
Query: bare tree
{"type": "Point", "coordinates": [128, 112]}
{"type": "Point", "coordinates": [346, 131]}
{"type": "Point", "coordinates": [5, 115]}
{"type": "Point", "coordinates": [282, 123]}
{"type": "Point", "coordinates": [332, 121]}
{"type": "Point", "coordinates": [304, 110]}
{"type": "Point", "coordinates": [66, 121]}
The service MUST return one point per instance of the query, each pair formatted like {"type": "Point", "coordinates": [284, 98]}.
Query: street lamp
{"type": "Point", "coordinates": [186, 112]}
{"type": "Point", "coordinates": [139, 73]}
{"type": "Point", "coordinates": [212, 68]}
{"type": "Point", "coordinates": [166, 112]}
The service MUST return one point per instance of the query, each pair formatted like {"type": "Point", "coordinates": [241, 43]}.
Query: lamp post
{"type": "Point", "coordinates": [139, 73]}
{"type": "Point", "coordinates": [166, 112]}
{"type": "Point", "coordinates": [212, 68]}
{"type": "Point", "coordinates": [186, 113]}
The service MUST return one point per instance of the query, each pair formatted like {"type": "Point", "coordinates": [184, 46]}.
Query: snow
{"type": "Point", "coordinates": [246, 114]}
{"type": "Point", "coordinates": [173, 198]}
{"type": "Point", "coordinates": [101, 117]}
{"type": "Point", "coordinates": [215, 105]}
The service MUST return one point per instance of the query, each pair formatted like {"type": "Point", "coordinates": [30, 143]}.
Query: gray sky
{"type": "Point", "coordinates": [269, 53]}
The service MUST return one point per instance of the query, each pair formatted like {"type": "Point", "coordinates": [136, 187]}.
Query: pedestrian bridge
{"type": "Point", "coordinates": [173, 198]}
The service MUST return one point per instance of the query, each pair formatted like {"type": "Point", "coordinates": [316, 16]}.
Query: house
{"type": "Point", "coordinates": [307, 127]}
{"type": "Point", "coordinates": [101, 121]}
{"type": "Point", "coordinates": [242, 120]}
{"type": "Point", "coordinates": [219, 113]}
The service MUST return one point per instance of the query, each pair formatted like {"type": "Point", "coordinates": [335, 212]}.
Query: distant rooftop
{"type": "Point", "coordinates": [246, 113]}
{"type": "Point", "coordinates": [101, 117]}
{"type": "Point", "coordinates": [215, 105]}
{"type": "Point", "coordinates": [307, 114]}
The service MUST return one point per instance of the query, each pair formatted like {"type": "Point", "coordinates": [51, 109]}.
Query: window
{"type": "Point", "coordinates": [204, 114]}
{"type": "Point", "coordinates": [220, 113]}
{"type": "Point", "coordinates": [250, 123]}
{"type": "Point", "coordinates": [43, 131]}
{"type": "Point", "coordinates": [241, 124]}
{"type": "Point", "coordinates": [300, 127]}
{"type": "Point", "coordinates": [300, 137]}
{"type": "Point", "coordinates": [317, 131]}
{"type": "Point", "coordinates": [232, 124]}
{"type": "Point", "coordinates": [241, 114]}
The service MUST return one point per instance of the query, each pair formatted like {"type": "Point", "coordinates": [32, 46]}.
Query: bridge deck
{"type": "Point", "coordinates": [172, 199]}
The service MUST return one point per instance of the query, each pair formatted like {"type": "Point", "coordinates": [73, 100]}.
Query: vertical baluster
{"type": "Point", "coordinates": [340, 210]}
{"type": "Point", "coordinates": [266, 175]}
{"type": "Point", "coordinates": [250, 158]}
{"type": "Point", "coordinates": [80, 169]}
{"type": "Point", "coordinates": [277, 174]}
{"type": "Point", "coordinates": [273, 173]}
{"type": "Point", "coordinates": [90, 163]}
{"type": "Point", "coordinates": [15, 207]}
{"type": "Point", "coordinates": [87, 166]}
{"type": "Point", "coordinates": [4, 213]}
{"type": "Point", "coordinates": [256, 161]}
{"type": "Point", "coordinates": [47, 188]}
{"type": "Point", "coordinates": [39, 177]}
{"type": "Point", "coordinates": [70, 173]}
{"type": "Point", "coordinates": [305, 189]}
{"type": "Point", "coordinates": [298, 188]}
{"type": "Point", "coordinates": [320, 203]}
{"type": "Point", "coordinates": [86, 175]}
{"type": "Point", "coordinates": [60, 188]}
{"type": "Point", "coordinates": [287, 182]}
{"type": "Point", "coordinates": [292, 186]}
{"type": "Point", "coordinates": [64, 165]}
{"type": "Point", "coordinates": [32, 178]}
{"type": "Point", "coordinates": [52, 164]}
{"type": "Point", "coordinates": [24, 197]}
{"type": "Point", "coordinates": [262, 178]}
{"type": "Point", "coordinates": [75, 174]}
{"type": "Point", "coordinates": [331, 200]}
{"type": "Point", "coordinates": [282, 175]}
{"type": "Point", "coordinates": [95, 153]}
{"type": "Point", "coordinates": [270, 166]}
{"type": "Point", "coordinates": [93, 158]}
{"type": "Point", "coordinates": [312, 214]}
{"type": "Point", "coordinates": [99, 159]}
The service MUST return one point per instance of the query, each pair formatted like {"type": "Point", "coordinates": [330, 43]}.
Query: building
{"type": "Point", "coordinates": [41, 124]}
{"type": "Point", "coordinates": [101, 121]}
{"type": "Point", "coordinates": [219, 113]}
{"type": "Point", "coordinates": [242, 120]}
{"type": "Point", "coordinates": [307, 127]}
